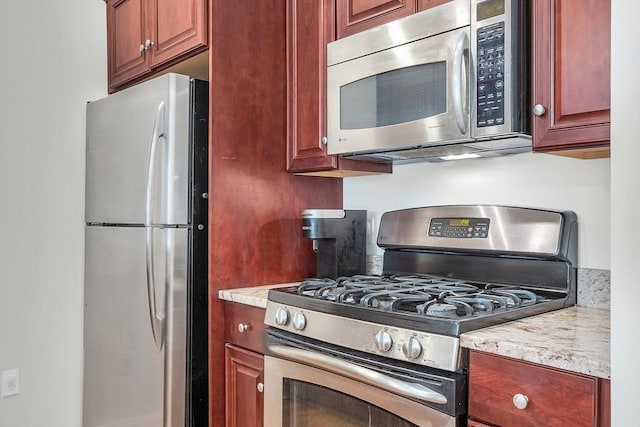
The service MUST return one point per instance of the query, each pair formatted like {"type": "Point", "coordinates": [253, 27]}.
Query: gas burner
{"type": "Point", "coordinates": [419, 294]}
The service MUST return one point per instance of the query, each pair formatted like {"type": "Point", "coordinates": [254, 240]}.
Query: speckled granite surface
{"type": "Point", "coordinates": [594, 287]}
{"type": "Point", "coordinates": [255, 296]}
{"type": "Point", "coordinates": [575, 339]}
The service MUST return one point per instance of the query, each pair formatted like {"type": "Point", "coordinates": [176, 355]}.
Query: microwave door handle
{"type": "Point", "coordinates": [459, 82]}
{"type": "Point", "coordinates": [157, 318]}
{"type": "Point", "coordinates": [359, 373]}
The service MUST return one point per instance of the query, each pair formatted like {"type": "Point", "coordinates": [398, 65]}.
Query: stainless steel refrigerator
{"type": "Point", "coordinates": [145, 316]}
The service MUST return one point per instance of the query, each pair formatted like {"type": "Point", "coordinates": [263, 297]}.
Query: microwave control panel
{"type": "Point", "coordinates": [490, 85]}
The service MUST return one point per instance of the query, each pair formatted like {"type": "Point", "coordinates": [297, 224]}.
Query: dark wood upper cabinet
{"type": "Point", "coordinates": [126, 29]}
{"type": "Point", "coordinates": [571, 77]}
{"type": "Point", "coordinates": [144, 36]}
{"type": "Point", "coordinates": [427, 4]}
{"type": "Point", "coordinates": [354, 16]}
{"type": "Point", "coordinates": [310, 26]}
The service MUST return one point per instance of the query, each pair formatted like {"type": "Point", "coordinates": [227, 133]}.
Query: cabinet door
{"type": "Point", "coordinates": [544, 396]}
{"type": "Point", "coordinates": [310, 26]}
{"type": "Point", "coordinates": [244, 378]}
{"type": "Point", "coordinates": [571, 75]}
{"type": "Point", "coordinates": [176, 27]}
{"type": "Point", "coordinates": [126, 29]}
{"type": "Point", "coordinates": [427, 4]}
{"type": "Point", "coordinates": [358, 15]}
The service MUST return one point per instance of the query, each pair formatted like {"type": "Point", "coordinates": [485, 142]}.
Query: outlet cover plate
{"type": "Point", "coordinates": [9, 382]}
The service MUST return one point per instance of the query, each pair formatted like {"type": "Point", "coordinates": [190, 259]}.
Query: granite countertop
{"type": "Point", "coordinates": [255, 295]}
{"type": "Point", "coordinates": [575, 339]}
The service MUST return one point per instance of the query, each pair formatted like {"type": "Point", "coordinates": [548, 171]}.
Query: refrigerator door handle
{"type": "Point", "coordinates": [157, 317]}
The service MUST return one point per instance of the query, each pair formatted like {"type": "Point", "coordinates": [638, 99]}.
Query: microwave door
{"type": "Point", "coordinates": [416, 94]}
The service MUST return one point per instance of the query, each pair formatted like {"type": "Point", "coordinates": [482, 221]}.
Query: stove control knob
{"type": "Point", "coordinates": [412, 348]}
{"type": "Point", "coordinates": [282, 316]}
{"type": "Point", "coordinates": [383, 341]}
{"type": "Point", "coordinates": [299, 321]}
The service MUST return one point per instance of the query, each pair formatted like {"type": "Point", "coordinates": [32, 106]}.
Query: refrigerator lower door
{"type": "Point", "coordinates": [126, 379]}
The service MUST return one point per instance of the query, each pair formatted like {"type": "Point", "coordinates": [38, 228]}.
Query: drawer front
{"type": "Point", "coordinates": [553, 398]}
{"type": "Point", "coordinates": [244, 325]}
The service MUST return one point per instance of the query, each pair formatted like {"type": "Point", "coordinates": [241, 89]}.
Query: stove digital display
{"type": "Point", "coordinates": [459, 222]}
{"type": "Point", "coordinates": [467, 228]}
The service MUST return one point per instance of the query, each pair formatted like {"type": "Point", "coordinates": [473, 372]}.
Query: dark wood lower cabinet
{"type": "Point", "coordinates": [545, 396]}
{"type": "Point", "coordinates": [243, 362]}
{"type": "Point", "coordinates": [243, 387]}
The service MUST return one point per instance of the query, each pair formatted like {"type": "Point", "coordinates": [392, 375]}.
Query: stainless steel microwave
{"type": "Point", "coordinates": [449, 82]}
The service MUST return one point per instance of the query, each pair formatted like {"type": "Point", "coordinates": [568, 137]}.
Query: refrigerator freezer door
{"type": "Point", "coordinates": [138, 153]}
{"type": "Point", "coordinates": [126, 379]}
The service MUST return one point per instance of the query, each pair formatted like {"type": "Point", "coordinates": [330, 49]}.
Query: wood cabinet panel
{"type": "Point", "coordinates": [354, 16]}
{"type": "Point", "coordinates": [571, 74]}
{"type": "Point", "coordinates": [555, 398]}
{"type": "Point", "coordinates": [179, 28]}
{"type": "Point", "coordinates": [604, 403]}
{"type": "Point", "coordinates": [126, 28]}
{"type": "Point", "coordinates": [244, 377]}
{"type": "Point", "coordinates": [144, 36]}
{"type": "Point", "coordinates": [310, 26]}
{"type": "Point", "coordinates": [427, 4]}
{"type": "Point", "coordinates": [244, 326]}
{"type": "Point", "coordinates": [254, 203]}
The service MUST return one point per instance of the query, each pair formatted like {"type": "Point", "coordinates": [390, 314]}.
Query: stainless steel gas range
{"type": "Point", "coordinates": [385, 350]}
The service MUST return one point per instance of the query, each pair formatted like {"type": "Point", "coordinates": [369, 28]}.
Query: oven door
{"type": "Point", "coordinates": [409, 95]}
{"type": "Point", "coordinates": [306, 387]}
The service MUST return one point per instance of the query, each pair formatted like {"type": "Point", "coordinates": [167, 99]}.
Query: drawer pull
{"type": "Point", "coordinates": [520, 401]}
{"type": "Point", "coordinates": [242, 327]}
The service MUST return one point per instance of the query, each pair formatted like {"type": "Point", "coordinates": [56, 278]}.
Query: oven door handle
{"type": "Point", "coordinates": [360, 373]}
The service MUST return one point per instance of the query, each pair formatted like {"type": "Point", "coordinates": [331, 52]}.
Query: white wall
{"type": "Point", "coordinates": [53, 59]}
{"type": "Point", "coordinates": [625, 205]}
{"type": "Point", "coordinates": [536, 180]}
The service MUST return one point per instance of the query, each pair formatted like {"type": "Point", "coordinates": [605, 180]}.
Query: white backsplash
{"type": "Point", "coordinates": [535, 180]}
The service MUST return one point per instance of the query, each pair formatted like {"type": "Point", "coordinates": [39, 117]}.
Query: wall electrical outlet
{"type": "Point", "coordinates": [9, 382]}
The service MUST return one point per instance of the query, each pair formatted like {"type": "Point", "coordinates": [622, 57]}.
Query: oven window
{"type": "Point", "coordinates": [306, 404]}
{"type": "Point", "coordinates": [398, 96]}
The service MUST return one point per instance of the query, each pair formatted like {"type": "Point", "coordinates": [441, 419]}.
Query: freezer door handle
{"type": "Point", "coordinates": [153, 163]}
{"type": "Point", "coordinates": [157, 316]}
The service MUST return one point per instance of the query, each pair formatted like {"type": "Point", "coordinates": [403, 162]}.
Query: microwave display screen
{"type": "Point", "coordinates": [489, 9]}
{"type": "Point", "coordinates": [394, 97]}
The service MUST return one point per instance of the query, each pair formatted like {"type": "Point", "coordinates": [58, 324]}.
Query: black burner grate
{"type": "Point", "coordinates": [420, 294]}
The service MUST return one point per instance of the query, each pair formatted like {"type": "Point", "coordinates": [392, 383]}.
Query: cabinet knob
{"type": "Point", "coordinates": [260, 387]}
{"type": "Point", "coordinates": [539, 110]}
{"type": "Point", "coordinates": [242, 327]}
{"type": "Point", "coordinates": [324, 140]}
{"type": "Point", "coordinates": [145, 47]}
{"type": "Point", "coordinates": [520, 401]}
